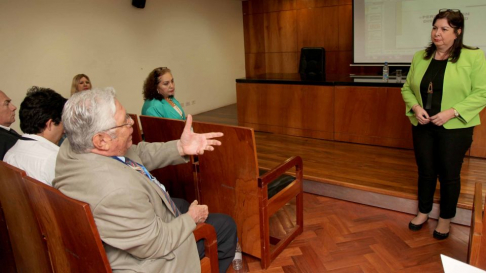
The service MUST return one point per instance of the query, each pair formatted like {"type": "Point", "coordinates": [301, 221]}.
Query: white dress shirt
{"type": "Point", "coordinates": [5, 127]}
{"type": "Point", "coordinates": [37, 157]}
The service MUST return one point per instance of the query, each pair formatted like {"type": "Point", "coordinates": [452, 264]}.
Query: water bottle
{"type": "Point", "coordinates": [237, 261]}
{"type": "Point", "coordinates": [386, 72]}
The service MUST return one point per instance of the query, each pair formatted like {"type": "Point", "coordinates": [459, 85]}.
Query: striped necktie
{"type": "Point", "coordinates": [141, 169]}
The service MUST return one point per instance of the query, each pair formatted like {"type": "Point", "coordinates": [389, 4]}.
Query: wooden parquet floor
{"type": "Point", "coordinates": [342, 236]}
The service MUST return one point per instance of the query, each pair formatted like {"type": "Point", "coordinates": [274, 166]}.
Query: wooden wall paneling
{"type": "Point", "coordinates": [280, 5]}
{"type": "Point", "coordinates": [318, 3]}
{"type": "Point", "coordinates": [357, 112]}
{"type": "Point", "coordinates": [368, 70]}
{"type": "Point", "coordinates": [252, 6]}
{"type": "Point", "coordinates": [318, 27]}
{"type": "Point", "coordinates": [255, 64]}
{"type": "Point", "coordinates": [281, 31]}
{"type": "Point", "coordinates": [343, 59]}
{"type": "Point", "coordinates": [478, 147]}
{"type": "Point", "coordinates": [332, 61]}
{"type": "Point", "coordinates": [282, 62]}
{"type": "Point", "coordinates": [345, 26]}
{"type": "Point", "coordinates": [254, 33]}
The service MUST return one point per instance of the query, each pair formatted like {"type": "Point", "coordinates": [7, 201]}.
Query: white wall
{"type": "Point", "coordinates": [45, 43]}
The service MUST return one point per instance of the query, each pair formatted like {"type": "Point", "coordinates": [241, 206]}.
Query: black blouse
{"type": "Point", "coordinates": [435, 74]}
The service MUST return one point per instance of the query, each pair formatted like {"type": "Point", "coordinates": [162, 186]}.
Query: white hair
{"type": "Point", "coordinates": [87, 113]}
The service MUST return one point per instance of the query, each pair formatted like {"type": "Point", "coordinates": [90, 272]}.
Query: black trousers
{"type": "Point", "coordinates": [440, 152]}
{"type": "Point", "coordinates": [225, 228]}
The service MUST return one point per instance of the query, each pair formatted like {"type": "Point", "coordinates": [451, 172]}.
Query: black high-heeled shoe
{"type": "Point", "coordinates": [418, 227]}
{"type": "Point", "coordinates": [440, 236]}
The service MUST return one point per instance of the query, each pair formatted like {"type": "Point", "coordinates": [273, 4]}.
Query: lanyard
{"type": "Point", "coordinates": [142, 167]}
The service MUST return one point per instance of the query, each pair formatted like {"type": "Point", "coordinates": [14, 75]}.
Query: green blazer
{"type": "Point", "coordinates": [162, 109]}
{"type": "Point", "coordinates": [464, 87]}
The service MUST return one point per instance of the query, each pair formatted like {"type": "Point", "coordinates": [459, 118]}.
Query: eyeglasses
{"type": "Point", "coordinates": [449, 10]}
{"type": "Point", "coordinates": [128, 122]}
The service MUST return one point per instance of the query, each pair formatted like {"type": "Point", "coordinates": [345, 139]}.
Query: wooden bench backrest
{"type": "Point", "coordinates": [137, 132]}
{"type": "Point", "coordinates": [228, 181]}
{"type": "Point", "coordinates": [7, 260]}
{"type": "Point", "coordinates": [178, 179]}
{"type": "Point", "coordinates": [72, 237]}
{"type": "Point", "coordinates": [28, 247]}
{"type": "Point", "coordinates": [477, 236]}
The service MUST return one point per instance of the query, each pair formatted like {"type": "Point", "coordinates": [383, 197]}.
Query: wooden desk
{"type": "Point", "coordinates": [337, 108]}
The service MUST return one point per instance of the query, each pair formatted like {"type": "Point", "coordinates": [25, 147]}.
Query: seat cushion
{"type": "Point", "coordinates": [278, 184]}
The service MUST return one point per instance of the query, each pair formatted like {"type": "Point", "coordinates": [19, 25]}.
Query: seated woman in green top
{"type": "Point", "coordinates": [158, 93]}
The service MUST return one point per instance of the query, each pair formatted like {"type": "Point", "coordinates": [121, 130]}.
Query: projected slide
{"type": "Point", "coordinates": [394, 30]}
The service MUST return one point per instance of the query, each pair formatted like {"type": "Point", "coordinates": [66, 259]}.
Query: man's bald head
{"type": "Point", "coordinates": [7, 110]}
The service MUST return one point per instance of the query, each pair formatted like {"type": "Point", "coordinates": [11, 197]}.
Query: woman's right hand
{"type": "Point", "coordinates": [421, 115]}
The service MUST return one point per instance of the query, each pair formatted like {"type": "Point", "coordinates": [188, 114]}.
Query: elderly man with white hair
{"type": "Point", "coordinates": [143, 229]}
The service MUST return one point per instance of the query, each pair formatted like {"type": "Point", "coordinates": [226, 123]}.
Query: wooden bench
{"type": "Point", "coordinates": [179, 179]}
{"type": "Point", "coordinates": [28, 245]}
{"type": "Point", "coordinates": [228, 181]}
{"type": "Point", "coordinates": [73, 240]}
{"type": "Point", "coordinates": [477, 237]}
{"type": "Point", "coordinates": [7, 259]}
{"type": "Point", "coordinates": [51, 232]}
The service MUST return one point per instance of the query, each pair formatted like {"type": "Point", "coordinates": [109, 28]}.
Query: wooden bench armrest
{"type": "Point", "coordinates": [208, 234]}
{"type": "Point", "coordinates": [274, 173]}
{"type": "Point", "coordinates": [205, 231]}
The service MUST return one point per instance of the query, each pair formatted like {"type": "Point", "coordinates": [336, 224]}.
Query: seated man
{"type": "Point", "coordinates": [40, 120]}
{"type": "Point", "coordinates": [8, 136]}
{"type": "Point", "coordinates": [140, 225]}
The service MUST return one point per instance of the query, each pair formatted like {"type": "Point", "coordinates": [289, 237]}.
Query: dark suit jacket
{"type": "Point", "coordinates": [7, 140]}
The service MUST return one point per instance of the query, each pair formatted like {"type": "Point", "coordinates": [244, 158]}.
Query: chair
{"type": "Point", "coordinates": [28, 246]}
{"type": "Point", "coordinates": [73, 240]}
{"type": "Point", "coordinates": [477, 237]}
{"type": "Point", "coordinates": [179, 179]}
{"type": "Point", "coordinates": [210, 262]}
{"type": "Point", "coordinates": [228, 181]}
{"type": "Point", "coordinates": [137, 133]}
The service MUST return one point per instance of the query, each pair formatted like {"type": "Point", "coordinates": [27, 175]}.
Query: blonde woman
{"type": "Point", "coordinates": [81, 82]}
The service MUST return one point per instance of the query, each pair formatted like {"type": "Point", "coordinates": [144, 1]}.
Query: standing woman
{"type": "Point", "coordinates": [158, 93]}
{"type": "Point", "coordinates": [444, 93]}
{"type": "Point", "coordinates": [81, 82]}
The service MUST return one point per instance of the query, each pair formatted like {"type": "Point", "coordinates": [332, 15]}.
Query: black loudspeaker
{"type": "Point", "coordinates": [138, 3]}
{"type": "Point", "coordinates": [312, 62]}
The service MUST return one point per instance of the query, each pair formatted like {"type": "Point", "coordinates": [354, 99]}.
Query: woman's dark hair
{"type": "Point", "coordinates": [455, 19]}
{"type": "Point", "coordinates": [150, 85]}
{"type": "Point", "coordinates": [39, 106]}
